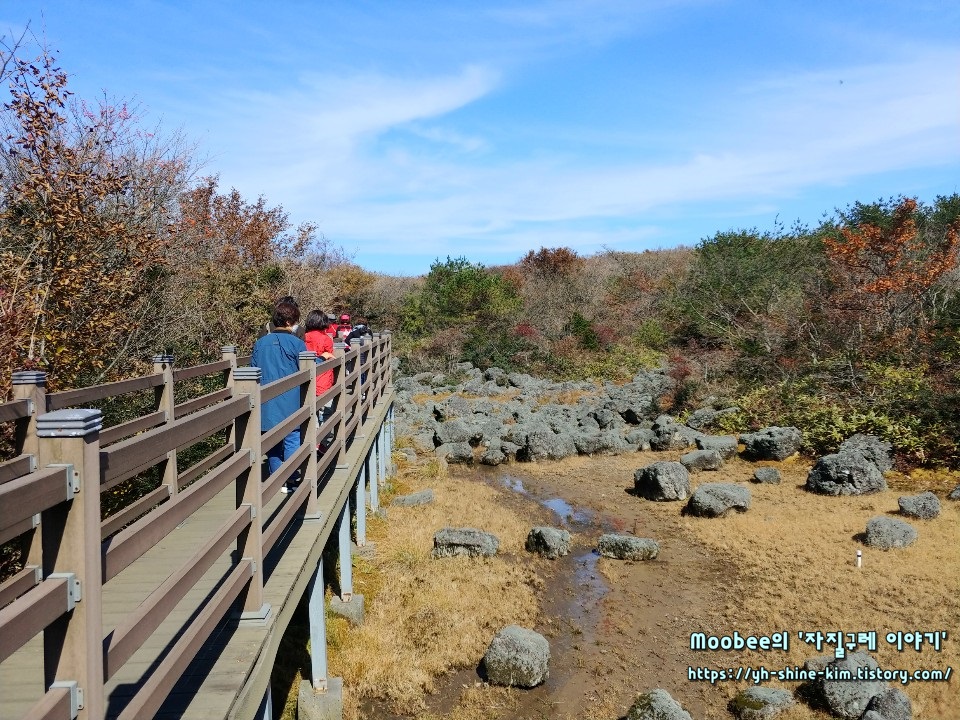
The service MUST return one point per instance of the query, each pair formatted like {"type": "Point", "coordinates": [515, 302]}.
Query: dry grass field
{"type": "Point", "coordinates": [786, 565]}
{"type": "Point", "coordinates": [791, 566]}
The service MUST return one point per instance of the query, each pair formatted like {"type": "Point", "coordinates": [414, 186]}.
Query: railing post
{"type": "Point", "coordinates": [229, 353]}
{"type": "Point", "coordinates": [73, 644]}
{"type": "Point", "coordinates": [166, 401]}
{"type": "Point", "coordinates": [308, 431]}
{"type": "Point", "coordinates": [339, 349]}
{"type": "Point", "coordinates": [249, 492]}
{"type": "Point", "coordinates": [30, 385]}
{"type": "Point", "coordinates": [358, 389]}
{"type": "Point", "coordinates": [376, 359]}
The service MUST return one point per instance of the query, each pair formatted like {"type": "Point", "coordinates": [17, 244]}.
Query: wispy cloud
{"type": "Point", "coordinates": [770, 139]}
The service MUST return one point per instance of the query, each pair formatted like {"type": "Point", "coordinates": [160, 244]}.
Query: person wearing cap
{"type": "Point", "coordinates": [344, 328]}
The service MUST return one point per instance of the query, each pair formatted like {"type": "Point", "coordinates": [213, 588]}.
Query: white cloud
{"type": "Point", "coordinates": [773, 139]}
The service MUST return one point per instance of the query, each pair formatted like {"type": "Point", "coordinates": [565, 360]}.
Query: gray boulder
{"type": "Point", "coordinates": [493, 455]}
{"type": "Point", "coordinates": [544, 444]}
{"type": "Point", "coordinates": [517, 657]}
{"type": "Point", "coordinates": [849, 698]}
{"type": "Point", "coordinates": [640, 437]}
{"type": "Point", "coordinates": [726, 445]}
{"type": "Point", "coordinates": [423, 441]}
{"type": "Point", "coordinates": [627, 547]}
{"type": "Point", "coordinates": [954, 494]}
{"type": "Point", "coordinates": [423, 497]}
{"type": "Point", "coordinates": [495, 374]}
{"type": "Point", "coordinates": [891, 704]}
{"type": "Point", "coordinates": [818, 663]}
{"type": "Point", "coordinates": [456, 430]}
{"type": "Point", "coordinates": [848, 473]}
{"type": "Point", "coordinates": [872, 715]}
{"type": "Point", "coordinates": [698, 460]}
{"type": "Point", "coordinates": [717, 499]}
{"type": "Point", "coordinates": [550, 542]}
{"type": "Point", "coordinates": [871, 447]}
{"type": "Point", "coordinates": [664, 480]}
{"type": "Point", "coordinates": [767, 475]}
{"type": "Point", "coordinates": [603, 442]}
{"type": "Point", "coordinates": [458, 452]}
{"type": "Point", "coordinates": [450, 542]}
{"type": "Point", "coordinates": [657, 705]}
{"type": "Point", "coordinates": [668, 434]}
{"type": "Point", "coordinates": [455, 406]}
{"type": "Point", "coordinates": [924, 506]}
{"type": "Point", "coordinates": [887, 533]}
{"type": "Point", "coordinates": [760, 703]}
{"type": "Point", "coordinates": [772, 443]}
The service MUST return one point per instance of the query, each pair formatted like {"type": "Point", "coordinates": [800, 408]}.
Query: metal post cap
{"type": "Point", "coordinates": [29, 377]}
{"type": "Point", "coordinates": [307, 355]}
{"type": "Point", "coordinates": [228, 349]}
{"type": "Point", "coordinates": [70, 423]}
{"type": "Point", "coordinates": [157, 359]}
{"type": "Point", "coordinates": [247, 373]}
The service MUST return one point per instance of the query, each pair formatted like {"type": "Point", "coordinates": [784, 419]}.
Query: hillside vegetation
{"type": "Point", "coordinates": [114, 247]}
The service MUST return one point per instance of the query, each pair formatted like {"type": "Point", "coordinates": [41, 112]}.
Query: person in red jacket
{"type": "Point", "coordinates": [344, 328]}
{"type": "Point", "coordinates": [319, 342]}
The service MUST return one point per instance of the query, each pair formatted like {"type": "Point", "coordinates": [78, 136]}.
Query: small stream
{"type": "Point", "coordinates": [570, 601]}
{"type": "Point", "coordinates": [575, 593]}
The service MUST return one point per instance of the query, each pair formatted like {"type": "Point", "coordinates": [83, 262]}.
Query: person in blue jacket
{"type": "Point", "coordinates": [277, 356]}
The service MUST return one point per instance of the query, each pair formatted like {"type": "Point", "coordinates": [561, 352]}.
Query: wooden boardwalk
{"type": "Point", "coordinates": [175, 606]}
{"type": "Point", "coordinates": [231, 671]}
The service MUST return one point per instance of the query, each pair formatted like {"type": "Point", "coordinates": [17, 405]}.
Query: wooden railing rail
{"type": "Point", "coordinates": [66, 460]}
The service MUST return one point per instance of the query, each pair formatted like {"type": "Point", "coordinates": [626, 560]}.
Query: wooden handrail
{"type": "Point", "coordinates": [14, 410]}
{"type": "Point", "coordinates": [22, 619]}
{"type": "Point", "coordinates": [83, 396]}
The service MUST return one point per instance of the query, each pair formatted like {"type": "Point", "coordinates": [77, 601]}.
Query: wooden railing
{"type": "Point", "coordinates": [51, 492]}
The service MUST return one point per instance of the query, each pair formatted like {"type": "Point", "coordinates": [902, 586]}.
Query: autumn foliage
{"type": "Point", "coordinates": [85, 219]}
{"type": "Point", "coordinates": [885, 278]}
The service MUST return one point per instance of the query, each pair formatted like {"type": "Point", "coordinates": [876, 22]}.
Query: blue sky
{"type": "Point", "coordinates": [409, 131]}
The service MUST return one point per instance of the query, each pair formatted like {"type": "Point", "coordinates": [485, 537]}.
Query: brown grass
{"type": "Point", "coordinates": [795, 552]}
{"type": "Point", "coordinates": [792, 567]}
{"type": "Point", "coordinates": [426, 617]}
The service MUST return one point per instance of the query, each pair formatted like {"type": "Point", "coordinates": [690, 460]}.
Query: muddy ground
{"type": "Point", "coordinates": [615, 628]}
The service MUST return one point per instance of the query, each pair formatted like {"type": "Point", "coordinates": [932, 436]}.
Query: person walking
{"type": "Point", "coordinates": [269, 326]}
{"type": "Point", "coordinates": [320, 342]}
{"type": "Point", "coordinates": [344, 327]}
{"type": "Point", "coordinates": [277, 354]}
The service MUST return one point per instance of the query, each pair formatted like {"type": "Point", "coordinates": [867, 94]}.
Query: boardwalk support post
{"type": "Point", "coordinates": [347, 605]}
{"type": "Point", "coordinates": [321, 698]}
{"type": "Point", "coordinates": [360, 501]}
{"type": "Point", "coordinates": [73, 644]}
{"type": "Point", "coordinates": [371, 465]}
